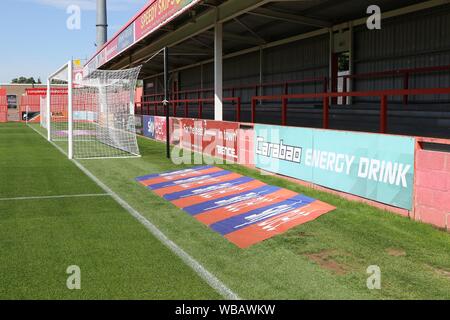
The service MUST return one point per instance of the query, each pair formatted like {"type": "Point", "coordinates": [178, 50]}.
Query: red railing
{"type": "Point", "coordinates": [232, 89]}
{"type": "Point", "coordinates": [155, 105]}
{"type": "Point", "coordinates": [404, 73]}
{"type": "Point", "coordinates": [325, 96]}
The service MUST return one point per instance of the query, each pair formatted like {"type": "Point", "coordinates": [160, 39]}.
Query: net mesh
{"type": "Point", "coordinates": [102, 118]}
{"type": "Point", "coordinates": [43, 112]}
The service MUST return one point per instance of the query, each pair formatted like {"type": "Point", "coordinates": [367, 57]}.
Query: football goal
{"type": "Point", "coordinates": [95, 117]}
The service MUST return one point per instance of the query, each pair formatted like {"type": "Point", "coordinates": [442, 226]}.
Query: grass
{"type": "Point", "coordinates": [40, 238]}
{"type": "Point", "coordinates": [323, 259]}
{"type": "Point", "coordinates": [86, 144]}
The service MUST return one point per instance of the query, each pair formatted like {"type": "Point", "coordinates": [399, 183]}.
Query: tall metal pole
{"type": "Point", "coordinates": [102, 23]}
{"type": "Point", "coordinates": [166, 99]}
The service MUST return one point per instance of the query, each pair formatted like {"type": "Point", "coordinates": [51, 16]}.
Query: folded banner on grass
{"type": "Point", "coordinates": [244, 210]}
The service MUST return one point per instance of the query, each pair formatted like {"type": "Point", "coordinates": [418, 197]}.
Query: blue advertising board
{"type": "Point", "coordinates": [373, 166]}
{"type": "Point", "coordinates": [149, 126]}
{"type": "Point", "coordinates": [126, 38]}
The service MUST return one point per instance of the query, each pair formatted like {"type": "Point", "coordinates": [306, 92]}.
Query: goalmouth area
{"type": "Point", "coordinates": [54, 216]}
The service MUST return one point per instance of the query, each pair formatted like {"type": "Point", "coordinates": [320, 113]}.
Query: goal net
{"type": "Point", "coordinates": [95, 119]}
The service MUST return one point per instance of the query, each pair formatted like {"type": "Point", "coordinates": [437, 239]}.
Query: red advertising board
{"type": "Point", "coordinates": [160, 128]}
{"type": "Point", "coordinates": [111, 49]}
{"type": "Point", "coordinates": [214, 138]}
{"type": "Point", "coordinates": [159, 13]}
{"type": "Point", "coordinates": [43, 91]}
{"type": "Point", "coordinates": [153, 16]}
{"type": "Point", "coordinates": [222, 140]}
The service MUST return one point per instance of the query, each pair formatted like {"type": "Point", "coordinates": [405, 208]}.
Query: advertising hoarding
{"type": "Point", "coordinates": [214, 138]}
{"type": "Point", "coordinates": [373, 166]}
{"type": "Point", "coordinates": [157, 14]}
{"type": "Point", "coordinates": [148, 126]}
{"type": "Point", "coordinates": [160, 128]}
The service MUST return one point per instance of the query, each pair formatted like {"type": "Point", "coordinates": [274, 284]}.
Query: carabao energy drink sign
{"type": "Point", "coordinates": [373, 166]}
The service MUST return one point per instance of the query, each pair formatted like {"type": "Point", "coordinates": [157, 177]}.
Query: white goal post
{"type": "Point", "coordinates": [95, 117]}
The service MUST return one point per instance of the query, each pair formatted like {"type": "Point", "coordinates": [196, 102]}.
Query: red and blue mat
{"type": "Point", "coordinates": [244, 210]}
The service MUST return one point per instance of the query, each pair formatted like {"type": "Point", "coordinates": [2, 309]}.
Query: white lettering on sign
{"type": "Point", "coordinates": [388, 172]}
{"type": "Point", "coordinates": [384, 171]}
{"type": "Point", "coordinates": [279, 151]}
{"type": "Point", "coordinates": [330, 161]}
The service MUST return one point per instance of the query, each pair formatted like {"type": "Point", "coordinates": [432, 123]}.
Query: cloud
{"type": "Point", "coordinates": [90, 5]}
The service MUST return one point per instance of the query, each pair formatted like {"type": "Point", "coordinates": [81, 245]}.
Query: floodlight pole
{"type": "Point", "coordinates": [166, 100]}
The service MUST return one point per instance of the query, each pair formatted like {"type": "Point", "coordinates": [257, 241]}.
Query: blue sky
{"type": "Point", "coordinates": [35, 40]}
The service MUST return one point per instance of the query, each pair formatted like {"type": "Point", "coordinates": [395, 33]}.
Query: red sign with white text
{"type": "Point", "coordinates": [43, 91]}
{"type": "Point", "coordinates": [159, 13]}
{"type": "Point", "coordinates": [214, 138]}
{"type": "Point", "coordinates": [160, 128]}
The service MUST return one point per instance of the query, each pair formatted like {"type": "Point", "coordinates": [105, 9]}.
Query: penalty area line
{"type": "Point", "coordinates": [196, 266]}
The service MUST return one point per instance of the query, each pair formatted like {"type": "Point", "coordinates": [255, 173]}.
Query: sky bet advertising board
{"type": "Point", "coordinates": [373, 166]}
{"type": "Point", "coordinates": [154, 127]}
{"type": "Point", "coordinates": [148, 124]}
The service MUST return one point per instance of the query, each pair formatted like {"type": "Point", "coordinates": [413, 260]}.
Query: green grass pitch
{"type": "Point", "coordinates": [323, 259]}
{"type": "Point", "coordinates": [40, 238]}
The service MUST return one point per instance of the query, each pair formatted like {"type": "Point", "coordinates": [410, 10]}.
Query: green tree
{"type": "Point", "coordinates": [24, 80]}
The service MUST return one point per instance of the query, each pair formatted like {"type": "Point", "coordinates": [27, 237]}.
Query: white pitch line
{"type": "Point", "coordinates": [198, 268]}
{"type": "Point", "coordinates": [57, 197]}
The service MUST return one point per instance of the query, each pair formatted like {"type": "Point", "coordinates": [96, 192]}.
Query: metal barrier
{"type": "Point", "coordinates": [404, 73]}
{"type": "Point", "coordinates": [383, 94]}
{"type": "Point", "coordinates": [155, 105]}
{"type": "Point", "coordinates": [257, 87]}
{"type": "Point", "coordinates": [232, 89]}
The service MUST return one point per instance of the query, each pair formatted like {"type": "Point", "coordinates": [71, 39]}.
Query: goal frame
{"type": "Point", "coordinates": [69, 67]}
{"type": "Point", "coordinates": [66, 73]}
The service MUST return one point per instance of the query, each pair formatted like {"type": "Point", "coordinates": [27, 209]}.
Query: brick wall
{"type": "Point", "coordinates": [3, 109]}
{"type": "Point", "coordinates": [432, 184]}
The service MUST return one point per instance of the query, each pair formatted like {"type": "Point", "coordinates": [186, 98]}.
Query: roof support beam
{"type": "Point", "coordinates": [200, 42]}
{"type": "Point", "coordinates": [246, 27]}
{"type": "Point", "coordinates": [321, 32]}
{"type": "Point", "coordinates": [238, 38]}
{"type": "Point", "coordinates": [225, 12]}
{"type": "Point", "coordinates": [182, 49]}
{"type": "Point", "coordinates": [291, 18]}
